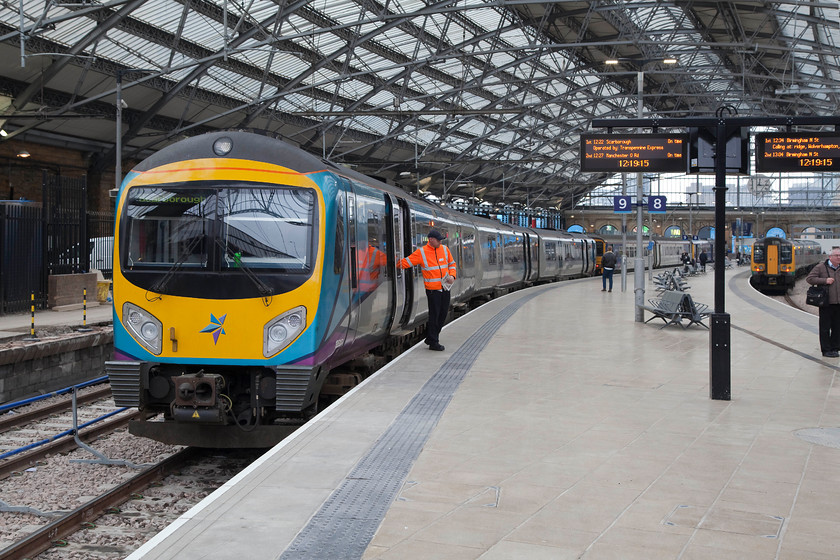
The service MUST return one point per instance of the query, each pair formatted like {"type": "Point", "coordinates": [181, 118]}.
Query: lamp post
{"type": "Point", "coordinates": [639, 261]}
{"type": "Point", "coordinates": [118, 146]}
{"type": "Point", "coordinates": [121, 104]}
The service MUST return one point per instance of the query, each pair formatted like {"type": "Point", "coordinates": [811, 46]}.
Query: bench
{"type": "Point", "coordinates": [670, 281]}
{"type": "Point", "coordinates": [674, 306]}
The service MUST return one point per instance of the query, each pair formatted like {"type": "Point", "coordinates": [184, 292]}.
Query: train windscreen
{"type": "Point", "coordinates": [758, 253]}
{"type": "Point", "coordinates": [220, 228]}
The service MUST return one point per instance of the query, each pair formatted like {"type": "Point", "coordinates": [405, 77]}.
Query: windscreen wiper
{"type": "Point", "coordinates": [265, 290]}
{"type": "Point", "coordinates": [160, 285]}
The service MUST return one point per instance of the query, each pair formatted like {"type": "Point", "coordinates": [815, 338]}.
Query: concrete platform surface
{"type": "Point", "coordinates": [554, 426]}
{"type": "Point", "coordinates": [15, 325]}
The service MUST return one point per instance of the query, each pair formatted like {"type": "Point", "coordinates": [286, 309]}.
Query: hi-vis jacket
{"type": "Point", "coordinates": [437, 263]}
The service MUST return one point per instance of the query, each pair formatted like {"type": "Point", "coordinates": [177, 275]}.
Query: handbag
{"type": "Point", "coordinates": [817, 296]}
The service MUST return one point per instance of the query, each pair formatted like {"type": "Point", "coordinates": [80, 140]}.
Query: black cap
{"type": "Point", "coordinates": [433, 233]}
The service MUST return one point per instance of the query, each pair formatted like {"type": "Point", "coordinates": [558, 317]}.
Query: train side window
{"type": "Point", "coordinates": [467, 251]}
{"type": "Point", "coordinates": [551, 250]}
{"type": "Point", "coordinates": [786, 253]}
{"type": "Point", "coordinates": [338, 257]}
{"type": "Point", "coordinates": [758, 254]}
{"type": "Point", "coordinates": [491, 245]}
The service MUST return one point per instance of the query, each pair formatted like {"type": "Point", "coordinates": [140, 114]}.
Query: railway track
{"type": "Point", "coordinates": [57, 503]}
{"type": "Point", "coordinates": [83, 516]}
{"type": "Point", "coordinates": [64, 404]}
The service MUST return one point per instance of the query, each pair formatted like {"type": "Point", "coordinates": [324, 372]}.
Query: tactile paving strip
{"type": "Point", "coordinates": [348, 520]}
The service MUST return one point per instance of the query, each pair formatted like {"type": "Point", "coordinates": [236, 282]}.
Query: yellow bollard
{"type": "Point", "coordinates": [84, 312]}
{"type": "Point", "coordinates": [32, 336]}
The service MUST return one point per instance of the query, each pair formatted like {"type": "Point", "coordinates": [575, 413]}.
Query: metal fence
{"type": "Point", "coordinates": [21, 262]}
{"type": "Point", "coordinates": [39, 239]}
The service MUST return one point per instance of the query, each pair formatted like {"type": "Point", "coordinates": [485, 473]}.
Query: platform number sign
{"type": "Point", "coordinates": [656, 204]}
{"type": "Point", "coordinates": [622, 204]}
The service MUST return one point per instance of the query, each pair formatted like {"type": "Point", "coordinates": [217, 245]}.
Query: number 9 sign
{"type": "Point", "coordinates": [621, 205]}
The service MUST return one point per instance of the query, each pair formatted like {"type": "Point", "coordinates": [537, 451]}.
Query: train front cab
{"type": "Point", "coordinates": [773, 264]}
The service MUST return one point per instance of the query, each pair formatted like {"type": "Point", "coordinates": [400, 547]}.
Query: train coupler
{"type": "Point", "coordinates": [198, 398]}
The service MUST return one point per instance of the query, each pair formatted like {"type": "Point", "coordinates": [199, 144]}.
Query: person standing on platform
{"type": "Point", "coordinates": [608, 261]}
{"type": "Point", "coordinates": [686, 260]}
{"type": "Point", "coordinates": [827, 274]}
{"type": "Point", "coordinates": [704, 258]}
{"type": "Point", "coordinates": [438, 277]}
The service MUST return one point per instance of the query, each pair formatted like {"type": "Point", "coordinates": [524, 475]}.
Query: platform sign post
{"type": "Point", "coordinates": [656, 204]}
{"type": "Point", "coordinates": [622, 204]}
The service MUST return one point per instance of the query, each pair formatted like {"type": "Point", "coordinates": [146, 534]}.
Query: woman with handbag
{"type": "Point", "coordinates": [828, 274]}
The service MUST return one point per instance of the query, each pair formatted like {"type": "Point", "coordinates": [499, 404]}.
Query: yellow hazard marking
{"type": "Point", "coordinates": [195, 415]}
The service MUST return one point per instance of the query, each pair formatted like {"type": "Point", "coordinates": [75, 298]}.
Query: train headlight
{"type": "Point", "coordinates": [282, 330]}
{"type": "Point", "coordinates": [144, 327]}
{"type": "Point", "coordinates": [222, 146]}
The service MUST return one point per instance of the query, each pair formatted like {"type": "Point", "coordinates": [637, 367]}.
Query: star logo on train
{"type": "Point", "coordinates": [216, 327]}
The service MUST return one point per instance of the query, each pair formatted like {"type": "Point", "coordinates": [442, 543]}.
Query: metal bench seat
{"type": "Point", "coordinates": [674, 306]}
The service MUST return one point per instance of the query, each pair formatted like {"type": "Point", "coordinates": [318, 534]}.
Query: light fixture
{"type": "Point", "coordinates": [611, 61]}
{"type": "Point", "coordinates": [3, 133]}
{"type": "Point", "coordinates": [669, 61]}
{"type": "Point", "coordinates": [23, 154]}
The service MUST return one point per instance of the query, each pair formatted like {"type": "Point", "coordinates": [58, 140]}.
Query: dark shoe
{"type": "Point", "coordinates": [440, 348]}
{"type": "Point", "coordinates": [604, 290]}
{"type": "Point", "coordinates": [609, 290]}
{"type": "Point", "coordinates": [831, 354]}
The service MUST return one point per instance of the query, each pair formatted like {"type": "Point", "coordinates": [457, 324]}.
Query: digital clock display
{"type": "Point", "coordinates": [797, 152]}
{"type": "Point", "coordinates": [661, 153]}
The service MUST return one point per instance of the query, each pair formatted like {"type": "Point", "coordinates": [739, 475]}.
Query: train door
{"type": "Point", "coordinates": [373, 297]}
{"type": "Point", "coordinates": [342, 267]}
{"type": "Point", "coordinates": [353, 277]}
{"type": "Point", "coordinates": [772, 258]}
{"type": "Point", "coordinates": [397, 213]}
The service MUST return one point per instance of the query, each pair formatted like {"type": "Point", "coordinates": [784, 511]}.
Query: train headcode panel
{"type": "Point", "coordinates": [807, 151]}
{"type": "Point", "coordinates": [630, 153]}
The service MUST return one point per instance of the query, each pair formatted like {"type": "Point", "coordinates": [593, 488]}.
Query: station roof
{"type": "Point", "coordinates": [458, 98]}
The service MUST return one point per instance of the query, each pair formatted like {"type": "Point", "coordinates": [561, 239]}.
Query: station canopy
{"type": "Point", "coordinates": [460, 98]}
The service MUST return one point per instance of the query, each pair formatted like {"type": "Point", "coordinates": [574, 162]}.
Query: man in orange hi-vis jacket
{"type": "Point", "coordinates": [438, 276]}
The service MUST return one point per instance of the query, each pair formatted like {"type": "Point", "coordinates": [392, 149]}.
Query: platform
{"type": "Point", "coordinates": [17, 325]}
{"type": "Point", "coordinates": [554, 426]}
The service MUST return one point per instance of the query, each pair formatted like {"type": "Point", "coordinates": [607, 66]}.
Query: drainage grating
{"type": "Point", "coordinates": [348, 520]}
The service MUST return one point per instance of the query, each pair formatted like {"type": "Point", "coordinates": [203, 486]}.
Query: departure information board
{"type": "Point", "coordinates": [628, 153]}
{"type": "Point", "coordinates": [818, 151]}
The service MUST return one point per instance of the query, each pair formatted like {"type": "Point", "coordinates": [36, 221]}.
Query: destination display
{"type": "Point", "coordinates": [627, 153]}
{"type": "Point", "coordinates": [797, 152]}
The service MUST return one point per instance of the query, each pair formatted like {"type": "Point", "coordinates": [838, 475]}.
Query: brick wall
{"type": "Point", "coordinates": [43, 367]}
{"type": "Point", "coordinates": [68, 289]}
{"type": "Point", "coordinates": [23, 177]}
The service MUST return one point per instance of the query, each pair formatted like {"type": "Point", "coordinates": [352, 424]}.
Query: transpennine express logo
{"type": "Point", "coordinates": [216, 327]}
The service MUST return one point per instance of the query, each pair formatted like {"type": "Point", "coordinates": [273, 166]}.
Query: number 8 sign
{"type": "Point", "coordinates": [622, 205]}
{"type": "Point", "coordinates": [656, 204]}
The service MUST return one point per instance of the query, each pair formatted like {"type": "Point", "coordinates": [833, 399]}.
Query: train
{"type": "Point", "coordinates": [777, 262]}
{"type": "Point", "coordinates": [663, 252]}
{"type": "Point", "coordinates": [251, 278]}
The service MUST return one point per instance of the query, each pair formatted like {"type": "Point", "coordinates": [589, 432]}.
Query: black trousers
{"type": "Point", "coordinates": [830, 327]}
{"type": "Point", "coordinates": [438, 308]}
